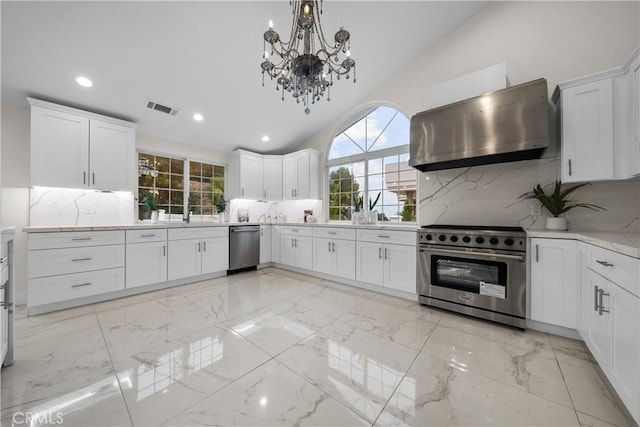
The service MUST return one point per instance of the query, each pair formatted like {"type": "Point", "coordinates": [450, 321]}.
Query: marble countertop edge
{"type": "Point", "coordinates": [626, 243]}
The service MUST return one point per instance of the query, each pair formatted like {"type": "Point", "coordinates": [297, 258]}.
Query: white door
{"type": "Point", "coordinates": [251, 176]}
{"type": "Point", "coordinates": [272, 177]}
{"type": "Point", "coordinates": [185, 258]}
{"type": "Point", "coordinates": [265, 244]}
{"type": "Point", "coordinates": [59, 149]}
{"type": "Point", "coordinates": [112, 156]}
{"type": "Point", "coordinates": [554, 283]}
{"type": "Point", "coordinates": [400, 268]}
{"type": "Point", "coordinates": [288, 250]}
{"type": "Point", "coordinates": [289, 176]}
{"type": "Point", "coordinates": [587, 132]}
{"type": "Point", "coordinates": [146, 263]}
{"type": "Point", "coordinates": [369, 263]}
{"type": "Point", "coordinates": [304, 248]}
{"type": "Point", "coordinates": [215, 254]}
{"type": "Point", "coordinates": [323, 256]}
{"type": "Point", "coordinates": [303, 185]}
{"type": "Point", "coordinates": [599, 341]}
{"type": "Point", "coordinates": [344, 252]}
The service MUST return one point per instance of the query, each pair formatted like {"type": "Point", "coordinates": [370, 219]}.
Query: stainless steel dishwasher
{"type": "Point", "coordinates": [244, 247]}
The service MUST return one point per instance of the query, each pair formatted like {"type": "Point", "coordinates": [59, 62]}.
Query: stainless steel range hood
{"type": "Point", "coordinates": [504, 126]}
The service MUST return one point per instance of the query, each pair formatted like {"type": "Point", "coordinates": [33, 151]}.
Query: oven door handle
{"type": "Point", "coordinates": [482, 254]}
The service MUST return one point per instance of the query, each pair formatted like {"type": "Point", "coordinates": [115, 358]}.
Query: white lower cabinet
{"type": "Point", "coordinates": [146, 264]}
{"type": "Point", "coordinates": [196, 251]}
{"type": "Point", "coordinates": [400, 268]}
{"type": "Point", "coordinates": [335, 257]}
{"type": "Point", "coordinates": [215, 254]}
{"type": "Point", "coordinates": [554, 287]}
{"type": "Point", "coordinates": [369, 263]}
{"type": "Point", "coordinates": [265, 244]}
{"type": "Point", "coordinates": [296, 247]}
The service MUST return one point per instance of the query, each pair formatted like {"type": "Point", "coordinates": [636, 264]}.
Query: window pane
{"type": "Point", "coordinates": [194, 198]}
{"type": "Point", "coordinates": [375, 166]}
{"type": "Point", "coordinates": [207, 170]}
{"type": "Point", "coordinates": [163, 196]}
{"type": "Point", "coordinates": [177, 166]}
{"type": "Point", "coordinates": [177, 197]}
{"type": "Point", "coordinates": [145, 181]}
{"type": "Point", "coordinates": [177, 182]}
{"type": "Point", "coordinates": [162, 181]}
{"type": "Point", "coordinates": [396, 133]}
{"type": "Point", "coordinates": [375, 182]}
{"type": "Point", "coordinates": [195, 168]}
{"type": "Point", "coordinates": [342, 146]}
{"type": "Point", "coordinates": [162, 164]}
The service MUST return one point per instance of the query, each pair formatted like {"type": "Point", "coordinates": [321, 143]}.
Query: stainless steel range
{"type": "Point", "coordinates": [479, 271]}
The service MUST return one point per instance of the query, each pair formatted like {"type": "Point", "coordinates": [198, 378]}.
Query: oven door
{"type": "Point", "coordinates": [490, 281]}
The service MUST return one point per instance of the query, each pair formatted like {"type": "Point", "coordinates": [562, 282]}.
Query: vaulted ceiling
{"type": "Point", "coordinates": [204, 57]}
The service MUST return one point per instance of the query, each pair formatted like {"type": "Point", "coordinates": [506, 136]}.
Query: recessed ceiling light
{"type": "Point", "coordinates": [198, 117]}
{"type": "Point", "coordinates": [265, 138]}
{"type": "Point", "coordinates": [83, 81]}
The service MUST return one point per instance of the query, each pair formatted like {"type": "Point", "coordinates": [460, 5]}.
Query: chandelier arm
{"type": "Point", "coordinates": [318, 26]}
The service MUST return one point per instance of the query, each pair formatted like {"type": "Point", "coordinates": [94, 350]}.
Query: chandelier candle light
{"type": "Point", "coordinates": [303, 71]}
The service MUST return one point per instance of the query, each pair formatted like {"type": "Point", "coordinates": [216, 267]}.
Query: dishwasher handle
{"type": "Point", "coordinates": [244, 229]}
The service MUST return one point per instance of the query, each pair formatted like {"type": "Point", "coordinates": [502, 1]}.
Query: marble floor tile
{"type": "Point", "coordinates": [37, 328]}
{"type": "Point", "coordinates": [589, 421]}
{"type": "Point", "coordinates": [570, 347]}
{"type": "Point", "coordinates": [436, 392]}
{"type": "Point", "coordinates": [357, 368]}
{"type": "Point", "coordinates": [329, 301]}
{"type": "Point", "coordinates": [271, 395]}
{"type": "Point", "coordinates": [157, 387]}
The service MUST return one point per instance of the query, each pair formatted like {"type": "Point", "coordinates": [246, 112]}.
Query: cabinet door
{"type": "Point", "coordinates": [59, 149]}
{"type": "Point", "coordinates": [587, 132]}
{"type": "Point", "coordinates": [554, 287]}
{"type": "Point", "coordinates": [112, 156]}
{"type": "Point", "coordinates": [4, 318]}
{"type": "Point", "coordinates": [369, 263]}
{"type": "Point", "coordinates": [586, 292]}
{"type": "Point", "coordinates": [344, 253]}
{"type": "Point", "coordinates": [185, 259]}
{"type": "Point", "coordinates": [400, 268]}
{"type": "Point", "coordinates": [635, 70]}
{"type": "Point", "coordinates": [599, 341]}
{"type": "Point", "coordinates": [304, 249]}
{"type": "Point", "coordinates": [215, 254]}
{"type": "Point", "coordinates": [146, 264]}
{"type": "Point", "coordinates": [323, 256]}
{"type": "Point", "coordinates": [287, 250]}
{"type": "Point", "coordinates": [625, 341]}
{"type": "Point", "coordinates": [272, 177]}
{"type": "Point", "coordinates": [251, 176]}
{"type": "Point", "coordinates": [289, 176]}
{"type": "Point", "coordinates": [275, 243]}
{"type": "Point", "coordinates": [265, 244]}
{"type": "Point", "coordinates": [303, 184]}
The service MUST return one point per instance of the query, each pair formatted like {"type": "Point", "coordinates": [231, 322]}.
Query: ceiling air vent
{"type": "Point", "coordinates": [153, 105]}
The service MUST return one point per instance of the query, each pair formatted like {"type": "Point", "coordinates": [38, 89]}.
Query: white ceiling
{"type": "Point", "coordinates": [204, 57]}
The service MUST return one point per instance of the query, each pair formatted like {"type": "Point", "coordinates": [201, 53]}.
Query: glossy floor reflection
{"type": "Point", "coordinates": [274, 347]}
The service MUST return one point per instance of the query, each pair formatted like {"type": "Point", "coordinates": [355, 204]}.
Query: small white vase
{"type": "Point", "coordinates": [154, 217]}
{"type": "Point", "coordinates": [373, 217]}
{"type": "Point", "coordinates": [557, 223]}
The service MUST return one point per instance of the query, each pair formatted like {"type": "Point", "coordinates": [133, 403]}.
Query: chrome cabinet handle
{"type": "Point", "coordinates": [605, 263]}
{"type": "Point", "coordinates": [332, 232]}
{"type": "Point", "coordinates": [84, 177]}
{"type": "Point", "coordinates": [292, 192]}
{"type": "Point", "coordinates": [386, 256]}
{"type": "Point", "coordinates": [81, 284]}
{"type": "Point", "coordinates": [329, 245]}
{"type": "Point", "coordinates": [3, 260]}
{"type": "Point", "coordinates": [81, 259]}
{"type": "Point", "coordinates": [379, 253]}
{"type": "Point", "coordinates": [93, 177]}
{"type": "Point", "coordinates": [294, 230]}
{"type": "Point", "coordinates": [147, 235]}
{"type": "Point", "coordinates": [601, 308]}
{"type": "Point", "coordinates": [595, 297]}
{"type": "Point", "coordinates": [261, 234]}
{"type": "Point", "coordinates": [204, 246]}
{"type": "Point", "coordinates": [4, 302]}
{"type": "Point", "coordinates": [199, 246]}
{"type": "Point", "coordinates": [537, 254]}
{"type": "Point", "coordinates": [291, 242]}
{"type": "Point", "coordinates": [296, 245]}
{"type": "Point", "coordinates": [242, 191]}
{"type": "Point", "coordinates": [164, 250]}
{"type": "Point", "coordinates": [570, 167]}
{"type": "Point", "coordinates": [383, 236]}
{"type": "Point", "coordinates": [333, 247]}
{"type": "Point", "coordinates": [81, 239]}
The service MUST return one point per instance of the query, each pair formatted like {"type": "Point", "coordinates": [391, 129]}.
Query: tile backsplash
{"type": "Point", "coordinates": [60, 206]}
{"type": "Point", "coordinates": [284, 211]}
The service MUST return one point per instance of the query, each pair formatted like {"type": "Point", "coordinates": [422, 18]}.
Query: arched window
{"type": "Point", "coordinates": [368, 159]}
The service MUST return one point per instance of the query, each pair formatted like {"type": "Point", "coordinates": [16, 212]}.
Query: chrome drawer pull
{"type": "Point", "coordinates": [596, 292]}
{"type": "Point", "coordinates": [81, 259]}
{"type": "Point", "coordinates": [332, 232]}
{"type": "Point", "coordinates": [147, 235]}
{"type": "Point", "coordinates": [605, 263]}
{"type": "Point", "coordinates": [81, 284]}
{"type": "Point", "coordinates": [81, 239]}
{"type": "Point", "coordinates": [601, 308]}
{"type": "Point", "coordinates": [383, 236]}
{"type": "Point", "coordinates": [3, 260]}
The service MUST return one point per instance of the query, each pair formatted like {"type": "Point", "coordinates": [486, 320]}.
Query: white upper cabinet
{"type": "Point", "coordinates": [600, 121]}
{"type": "Point", "coordinates": [247, 170]}
{"type": "Point", "coordinates": [301, 175]}
{"type": "Point", "coordinates": [272, 177]}
{"type": "Point", "coordinates": [75, 149]}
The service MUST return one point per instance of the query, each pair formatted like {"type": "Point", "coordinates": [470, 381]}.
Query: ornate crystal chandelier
{"type": "Point", "coordinates": [301, 69]}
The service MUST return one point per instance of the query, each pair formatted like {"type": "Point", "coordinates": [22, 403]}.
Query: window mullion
{"type": "Point", "coordinates": [185, 187]}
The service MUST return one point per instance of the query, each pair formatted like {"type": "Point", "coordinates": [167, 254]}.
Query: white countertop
{"type": "Point", "coordinates": [621, 242]}
{"type": "Point", "coordinates": [176, 224]}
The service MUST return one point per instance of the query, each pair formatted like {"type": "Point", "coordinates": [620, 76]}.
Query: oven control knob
{"type": "Point", "coordinates": [493, 241]}
{"type": "Point", "coordinates": [479, 240]}
{"type": "Point", "coordinates": [442, 237]}
{"type": "Point", "coordinates": [453, 238]}
{"type": "Point", "coordinates": [466, 239]}
{"type": "Point", "coordinates": [508, 242]}
{"type": "Point", "coordinates": [428, 237]}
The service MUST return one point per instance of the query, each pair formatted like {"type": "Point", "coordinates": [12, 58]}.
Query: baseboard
{"type": "Point", "coordinates": [20, 298]}
{"type": "Point", "coordinates": [553, 329]}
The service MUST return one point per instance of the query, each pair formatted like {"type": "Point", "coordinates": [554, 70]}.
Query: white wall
{"type": "Point", "coordinates": [555, 40]}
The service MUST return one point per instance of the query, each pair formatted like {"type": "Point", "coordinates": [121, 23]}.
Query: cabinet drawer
{"type": "Point", "coordinates": [46, 290]}
{"type": "Point", "coordinates": [335, 233]}
{"type": "Point", "coordinates": [198, 233]}
{"type": "Point", "coordinates": [152, 235]}
{"type": "Point", "coordinates": [385, 236]}
{"type": "Point", "coordinates": [297, 231]}
{"type": "Point", "coordinates": [51, 262]}
{"type": "Point", "coordinates": [74, 239]}
{"type": "Point", "coordinates": [621, 269]}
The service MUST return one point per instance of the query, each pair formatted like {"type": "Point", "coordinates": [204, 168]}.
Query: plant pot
{"type": "Point", "coordinates": [154, 217]}
{"type": "Point", "coordinates": [354, 217]}
{"type": "Point", "coordinates": [373, 217]}
{"type": "Point", "coordinates": [557, 223]}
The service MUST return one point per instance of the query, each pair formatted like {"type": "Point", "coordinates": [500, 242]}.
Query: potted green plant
{"type": "Point", "coordinates": [221, 207]}
{"type": "Point", "coordinates": [358, 205]}
{"type": "Point", "coordinates": [558, 203]}
{"type": "Point", "coordinates": [373, 215]}
{"type": "Point", "coordinates": [150, 203]}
